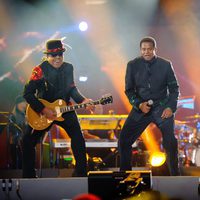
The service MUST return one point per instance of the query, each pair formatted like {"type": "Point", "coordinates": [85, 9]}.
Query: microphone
{"type": "Point", "coordinates": [150, 102]}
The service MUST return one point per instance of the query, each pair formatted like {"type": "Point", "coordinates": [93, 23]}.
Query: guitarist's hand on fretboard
{"type": "Point", "coordinates": [49, 114]}
{"type": "Point", "coordinates": [91, 106]}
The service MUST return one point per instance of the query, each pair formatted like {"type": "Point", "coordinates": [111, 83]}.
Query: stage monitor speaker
{"type": "Point", "coordinates": [117, 185]}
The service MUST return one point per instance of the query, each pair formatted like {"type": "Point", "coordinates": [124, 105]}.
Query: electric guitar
{"type": "Point", "coordinates": [39, 122]}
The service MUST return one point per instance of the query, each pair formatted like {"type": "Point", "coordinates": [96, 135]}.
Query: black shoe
{"type": "Point", "coordinates": [29, 174]}
{"type": "Point", "coordinates": [79, 174]}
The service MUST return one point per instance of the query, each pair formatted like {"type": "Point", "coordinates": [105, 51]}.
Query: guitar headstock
{"type": "Point", "coordinates": [106, 99]}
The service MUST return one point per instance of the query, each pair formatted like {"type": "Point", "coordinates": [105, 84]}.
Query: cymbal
{"type": "Point", "coordinates": [197, 116]}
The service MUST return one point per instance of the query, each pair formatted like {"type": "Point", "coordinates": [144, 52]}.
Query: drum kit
{"type": "Point", "coordinates": [188, 136]}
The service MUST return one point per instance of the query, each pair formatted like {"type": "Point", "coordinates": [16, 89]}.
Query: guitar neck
{"type": "Point", "coordinates": [78, 106]}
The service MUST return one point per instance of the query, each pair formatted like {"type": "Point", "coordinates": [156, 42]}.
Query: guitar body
{"type": "Point", "coordinates": [38, 121]}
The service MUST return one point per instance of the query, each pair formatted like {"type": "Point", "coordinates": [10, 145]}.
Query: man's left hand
{"type": "Point", "coordinates": [167, 113]}
{"type": "Point", "coordinates": [90, 105]}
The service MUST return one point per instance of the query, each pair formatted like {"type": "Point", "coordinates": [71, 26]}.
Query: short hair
{"type": "Point", "coordinates": [148, 39]}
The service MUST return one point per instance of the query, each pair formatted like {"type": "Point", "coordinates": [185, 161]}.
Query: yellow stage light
{"type": "Point", "coordinates": [157, 159]}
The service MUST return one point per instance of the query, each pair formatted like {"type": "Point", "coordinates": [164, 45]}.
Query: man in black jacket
{"type": "Point", "coordinates": [152, 89]}
{"type": "Point", "coordinates": [51, 80]}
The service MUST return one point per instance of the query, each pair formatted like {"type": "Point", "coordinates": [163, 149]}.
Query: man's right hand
{"type": "Point", "coordinates": [144, 107]}
{"type": "Point", "coordinates": [49, 114]}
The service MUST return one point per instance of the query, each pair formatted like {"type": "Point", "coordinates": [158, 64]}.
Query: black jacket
{"type": "Point", "coordinates": [51, 84]}
{"type": "Point", "coordinates": [154, 80]}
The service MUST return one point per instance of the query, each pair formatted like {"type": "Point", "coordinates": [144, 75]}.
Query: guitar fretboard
{"type": "Point", "coordinates": [78, 106]}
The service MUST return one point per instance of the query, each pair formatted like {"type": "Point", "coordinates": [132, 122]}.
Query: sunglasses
{"type": "Point", "coordinates": [57, 54]}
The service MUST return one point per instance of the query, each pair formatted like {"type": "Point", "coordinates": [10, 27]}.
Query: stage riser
{"type": "Point", "coordinates": [185, 188]}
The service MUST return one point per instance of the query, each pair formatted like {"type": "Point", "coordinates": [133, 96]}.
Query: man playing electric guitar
{"type": "Point", "coordinates": [51, 80]}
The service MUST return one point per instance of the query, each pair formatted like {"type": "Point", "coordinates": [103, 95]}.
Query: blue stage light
{"type": "Point", "coordinates": [83, 26]}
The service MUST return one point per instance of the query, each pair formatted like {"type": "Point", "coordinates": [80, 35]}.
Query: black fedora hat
{"type": "Point", "coordinates": [54, 47]}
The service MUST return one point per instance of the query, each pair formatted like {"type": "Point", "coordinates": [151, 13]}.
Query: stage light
{"type": "Point", "coordinates": [83, 78]}
{"type": "Point", "coordinates": [157, 159]}
{"type": "Point", "coordinates": [83, 26]}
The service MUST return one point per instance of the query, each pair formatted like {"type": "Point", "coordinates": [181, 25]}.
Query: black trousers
{"type": "Point", "coordinates": [132, 129]}
{"type": "Point", "coordinates": [72, 127]}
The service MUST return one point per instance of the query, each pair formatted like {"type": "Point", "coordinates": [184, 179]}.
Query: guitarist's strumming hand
{"type": "Point", "coordinates": [91, 106]}
{"type": "Point", "coordinates": [49, 114]}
